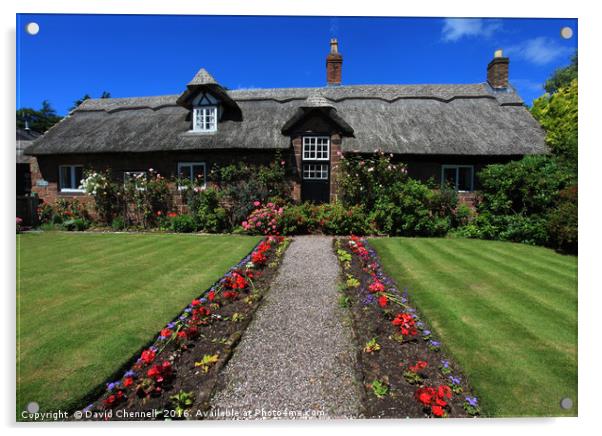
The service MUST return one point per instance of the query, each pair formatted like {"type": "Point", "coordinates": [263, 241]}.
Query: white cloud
{"type": "Point", "coordinates": [457, 28]}
{"type": "Point", "coordinates": [539, 51]}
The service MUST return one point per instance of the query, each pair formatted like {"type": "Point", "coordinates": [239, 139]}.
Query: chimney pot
{"type": "Point", "coordinates": [497, 71]}
{"type": "Point", "coordinates": [334, 64]}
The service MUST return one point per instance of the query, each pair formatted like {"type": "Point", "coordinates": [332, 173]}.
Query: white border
{"type": "Point", "coordinates": [590, 301]}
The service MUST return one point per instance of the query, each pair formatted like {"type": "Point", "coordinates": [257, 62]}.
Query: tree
{"type": "Point", "coordinates": [558, 115]}
{"type": "Point", "coordinates": [38, 120]}
{"type": "Point", "coordinates": [76, 103]}
{"type": "Point", "coordinates": [79, 101]}
{"type": "Point", "coordinates": [562, 77]}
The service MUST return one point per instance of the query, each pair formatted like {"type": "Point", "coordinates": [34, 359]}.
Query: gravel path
{"type": "Point", "coordinates": [297, 355]}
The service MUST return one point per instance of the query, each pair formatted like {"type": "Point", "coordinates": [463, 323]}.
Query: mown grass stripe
{"type": "Point", "coordinates": [515, 372]}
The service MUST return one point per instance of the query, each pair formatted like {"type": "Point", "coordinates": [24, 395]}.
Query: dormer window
{"type": "Point", "coordinates": [204, 119]}
{"type": "Point", "coordinates": [205, 113]}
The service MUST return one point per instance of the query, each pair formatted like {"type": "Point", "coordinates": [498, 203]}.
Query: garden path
{"type": "Point", "coordinates": [297, 355]}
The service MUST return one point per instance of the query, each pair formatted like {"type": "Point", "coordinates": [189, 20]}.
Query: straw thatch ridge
{"type": "Point", "coordinates": [469, 119]}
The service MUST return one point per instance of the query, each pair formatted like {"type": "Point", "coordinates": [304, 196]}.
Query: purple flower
{"type": "Point", "coordinates": [112, 385]}
{"type": "Point", "coordinates": [370, 298]}
{"type": "Point", "coordinates": [88, 407]}
{"type": "Point", "coordinates": [454, 380]}
{"type": "Point", "coordinates": [153, 348]}
{"type": "Point", "coordinates": [434, 343]}
{"type": "Point", "coordinates": [472, 401]}
{"type": "Point", "coordinates": [171, 325]}
{"type": "Point", "coordinates": [426, 332]}
{"type": "Point", "coordinates": [203, 300]}
{"type": "Point", "coordinates": [188, 310]}
{"type": "Point", "coordinates": [445, 363]}
{"type": "Point", "coordinates": [420, 325]}
{"type": "Point", "coordinates": [130, 373]}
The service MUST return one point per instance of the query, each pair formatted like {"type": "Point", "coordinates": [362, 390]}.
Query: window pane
{"type": "Point", "coordinates": [449, 177]}
{"type": "Point", "coordinates": [199, 172]}
{"type": "Point", "coordinates": [79, 175]}
{"type": "Point", "coordinates": [65, 177]}
{"type": "Point", "coordinates": [185, 172]}
{"type": "Point", "coordinates": [464, 178]}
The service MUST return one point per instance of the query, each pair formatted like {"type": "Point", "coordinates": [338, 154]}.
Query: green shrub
{"type": "Point", "coordinates": [407, 212]}
{"type": "Point", "coordinates": [299, 219]}
{"type": "Point", "coordinates": [563, 222]}
{"type": "Point", "coordinates": [183, 224]}
{"type": "Point", "coordinates": [76, 224]}
{"type": "Point", "coordinates": [118, 224]}
{"type": "Point", "coordinates": [205, 207]}
{"type": "Point", "coordinates": [336, 219]}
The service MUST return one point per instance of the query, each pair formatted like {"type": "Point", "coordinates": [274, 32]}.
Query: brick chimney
{"type": "Point", "coordinates": [497, 71]}
{"type": "Point", "coordinates": [334, 64]}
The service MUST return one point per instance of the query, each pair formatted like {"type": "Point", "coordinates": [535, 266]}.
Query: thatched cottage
{"type": "Point", "coordinates": [444, 132]}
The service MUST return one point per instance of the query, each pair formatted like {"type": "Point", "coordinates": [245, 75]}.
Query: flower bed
{"type": "Point", "coordinates": [175, 376]}
{"type": "Point", "coordinates": [405, 373]}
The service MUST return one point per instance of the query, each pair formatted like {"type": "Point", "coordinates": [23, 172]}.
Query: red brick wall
{"type": "Point", "coordinates": [497, 72]}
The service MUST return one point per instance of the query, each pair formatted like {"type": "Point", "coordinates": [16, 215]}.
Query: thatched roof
{"type": "Point", "coordinates": [25, 138]}
{"type": "Point", "coordinates": [406, 119]}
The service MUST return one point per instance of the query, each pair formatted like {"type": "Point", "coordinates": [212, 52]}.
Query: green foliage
{"type": "Point", "coordinates": [344, 301]}
{"type": "Point", "coordinates": [558, 115]}
{"type": "Point", "coordinates": [204, 205]}
{"type": "Point", "coordinates": [39, 120]}
{"type": "Point", "coordinates": [108, 195]}
{"type": "Point", "coordinates": [182, 224]}
{"type": "Point", "coordinates": [379, 388]}
{"type": "Point", "coordinates": [181, 402]}
{"type": "Point", "coordinates": [516, 200]}
{"type": "Point", "coordinates": [344, 255]}
{"type": "Point", "coordinates": [563, 221]}
{"type": "Point", "coordinates": [371, 346]}
{"type": "Point", "coordinates": [408, 210]}
{"type": "Point", "coordinates": [352, 282]}
{"type": "Point", "coordinates": [242, 184]}
{"type": "Point", "coordinates": [367, 179]}
{"type": "Point", "coordinates": [118, 224]}
{"type": "Point", "coordinates": [328, 218]}
{"type": "Point", "coordinates": [149, 196]}
{"type": "Point", "coordinates": [76, 224]}
{"type": "Point", "coordinates": [562, 77]}
{"type": "Point", "coordinates": [413, 378]}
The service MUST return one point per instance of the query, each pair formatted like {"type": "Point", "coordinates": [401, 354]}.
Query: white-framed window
{"type": "Point", "coordinates": [129, 176]}
{"type": "Point", "coordinates": [316, 148]}
{"type": "Point", "coordinates": [70, 178]}
{"type": "Point", "coordinates": [459, 177]}
{"type": "Point", "coordinates": [315, 171]}
{"type": "Point", "coordinates": [195, 172]}
{"type": "Point", "coordinates": [204, 119]}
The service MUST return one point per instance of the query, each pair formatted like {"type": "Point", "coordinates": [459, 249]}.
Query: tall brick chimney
{"type": "Point", "coordinates": [497, 71]}
{"type": "Point", "coordinates": [334, 64]}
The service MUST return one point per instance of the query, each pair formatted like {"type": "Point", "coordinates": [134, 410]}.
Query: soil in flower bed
{"type": "Point", "coordinates": [189, 353]}
{"type": "Point", "coordinates": [384, 354]}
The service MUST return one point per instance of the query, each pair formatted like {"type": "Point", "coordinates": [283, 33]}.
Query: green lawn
{"type": "Point", "coordinates": [86, 302]}
{"type": "Point", "coordinates": [506, 312]}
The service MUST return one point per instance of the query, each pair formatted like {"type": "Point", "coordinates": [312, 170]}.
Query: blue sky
{"type": "Point", "coordinates": [137, 55]}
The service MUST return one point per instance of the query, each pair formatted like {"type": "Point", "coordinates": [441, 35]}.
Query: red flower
{"type": "Point", "coordinates": [211, 295]}
{"type": "Point", "coordinates": [114, 399]}
{"type": "Point", "coordinates": [202, 311]}
{"type": "Point", "coordinates": [376, 286]}
{"type": "Point", "coordinates": [159, 213]}
{"type": "Point", "coordinates": [195, 302]}
{"type": "Point", "coordinates": [192, 332]}
{"type": "Point", "coordinates": [421, 364]}
{"type": "Point", "coordinates": [383, 300]}
{"type": "Point", "coordinates": [166, 333]}
{"type": "Point", "coordinates": [181, 334]}
{"type": "Point", "coordinates": [128, 381]}
{"type": "Point", "coordinates": [230, 294]}
{"type": "Point", "coordinates": [172, 214]}
{"type": "Point", "coordinates": [148, 356]}
{"type": "Point", "coordinates": [444, 391]}
{"type": "Point", "coordinates": [258, 258]}
{"type": "Point", "coordinates": [425, 395]}
{"type": "Point", "coordinates": [406, 323]}
{"type": "Point", "coordinates": [438, 411]}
